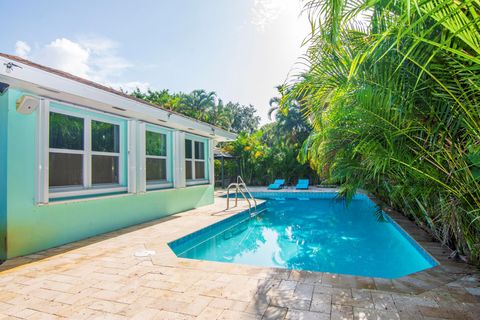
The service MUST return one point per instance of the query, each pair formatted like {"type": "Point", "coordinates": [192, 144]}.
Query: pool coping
{"type": "Point", "coordinates": [447, 270]}
{"type": "Point", "coordinates": [213, 230]}
{"type": "Point", "coordinates": [132, 272]}
{"type": "Point", "coordinates": [424, 252]}
{"type": "Point", "coordinates": [187, 222]}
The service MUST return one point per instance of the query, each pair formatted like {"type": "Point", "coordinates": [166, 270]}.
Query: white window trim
{"type": "Point", "coordinates": [88, 188]}
{"type": "Point", "coordinates": [97, 190]}
{"type": "Point", "coordinates": [194, 181]}
{"type": "Point", "coordinates": [158, 184]}
{"type": "Point", "coordinates": [197, 182]}
{"type": "Point", "coordinates": [132, 128]}
{"type": "Point", "coordinates": [179, 159]}
{"type": "Point", "coordinates": [42, 154]}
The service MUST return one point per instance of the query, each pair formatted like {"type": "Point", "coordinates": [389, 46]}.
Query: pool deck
{"type": "Point", "coordinates": [106, 277]}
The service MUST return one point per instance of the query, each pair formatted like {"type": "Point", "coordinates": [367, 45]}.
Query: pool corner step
{"type": "Point", "coordinates": [257, 212]}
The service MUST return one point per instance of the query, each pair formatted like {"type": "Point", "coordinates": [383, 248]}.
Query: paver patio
{"type": "Point", "coordinates": [103, 278]}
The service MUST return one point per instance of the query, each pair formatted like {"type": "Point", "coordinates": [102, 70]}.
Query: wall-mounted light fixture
{"type": "Point", "coordinates": [3, 88]}
{"type": "Point", "coordinates": [27, 104]}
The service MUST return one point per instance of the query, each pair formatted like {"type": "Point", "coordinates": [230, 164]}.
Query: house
{"type": "Point", "coordinates": [79, 159]}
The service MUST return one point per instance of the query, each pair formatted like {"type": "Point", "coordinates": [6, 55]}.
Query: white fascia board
{"type": "Point", "coordinates": [60, 88]}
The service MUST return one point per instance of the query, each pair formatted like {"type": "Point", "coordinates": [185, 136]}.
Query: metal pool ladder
{"type": "Point", "coordinates": [241, 187]}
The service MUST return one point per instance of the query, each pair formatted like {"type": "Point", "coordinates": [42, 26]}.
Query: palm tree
{"type": "Point", "coordinates": [219, 115]}
{"type": "Point", "coordinates": [199, 103]}
{"type": "Point", "coordinates": [394, 104]}
{"type": "Point", "coordinates": [275, 101]}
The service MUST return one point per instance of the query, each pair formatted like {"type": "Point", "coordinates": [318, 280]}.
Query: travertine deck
{"type": "Point", "coordinates": [101, 278]}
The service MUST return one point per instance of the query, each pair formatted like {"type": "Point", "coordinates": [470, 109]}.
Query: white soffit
{"type": "Point", "coordinates": [56, 87]}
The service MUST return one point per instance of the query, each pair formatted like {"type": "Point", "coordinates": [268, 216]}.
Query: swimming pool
{"type": "Point", "coordinates": [314, 232]}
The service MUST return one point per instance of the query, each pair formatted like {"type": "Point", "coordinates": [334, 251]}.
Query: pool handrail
{"type": "Point", "coordinates": [238, 189]}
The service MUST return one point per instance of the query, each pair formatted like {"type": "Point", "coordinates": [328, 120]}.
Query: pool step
{"type": "Point", "coordinates": [257, 212]}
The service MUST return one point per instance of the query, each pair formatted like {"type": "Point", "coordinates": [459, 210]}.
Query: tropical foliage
{"type": "Point", "coordinates": [261, 154]}
{"type": "Point", "coordinates": [392, 89]}
{"type": "Point", "coordinates": [205, 106]}
{"type": "Point", "coordinates": [272, 151]}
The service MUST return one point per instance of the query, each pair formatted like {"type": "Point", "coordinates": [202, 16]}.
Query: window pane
{"type": "Point", "coordinates": [156, 169]}
{"type": "Point", "coordinates": [199, 150]}
{"type": "Point", "coordinates": [188, 148]}
{"type": "Point", "coordinates": [104, 169]}
{"type": "Point", "coordinates": [66, 132]}
{"type": "Point", "coordinates": [156, 144]}
{"type": "Point", "coordinates": [105, 137]}
{"type": "Point", "coordinates": [188, 170]}
{"type": "Point", "coordinates": [65, 170]}
{"type": "Point", "coordinates": [199, 170]}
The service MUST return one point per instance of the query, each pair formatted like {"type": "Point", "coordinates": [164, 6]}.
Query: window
{"type": "Point", "coordinates": [66, 150]}
{"type": "Point", "coordinates": [84, 154]}
{"type": "Point", "coordinates": [156, 158]}
{"type": "Point", "coordinates": [105, 153]}
{"type": "Point", "coordinates": [195, 168]}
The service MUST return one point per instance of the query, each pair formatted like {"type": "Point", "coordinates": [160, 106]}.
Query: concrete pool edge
{"type": "Point", "coordinates": [116, 283]}
{"type": "Point", "coordinates": [445, 272]}
{"type": "Point", "coordinates": [201, 235]}
{"type": "Point", "coordinates": [179, 225]}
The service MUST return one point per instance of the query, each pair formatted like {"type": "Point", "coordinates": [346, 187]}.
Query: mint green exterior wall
{"type": "Point", "coordinates": [31, 228]}
{"type": "Point", "coordinates": [3, 173]}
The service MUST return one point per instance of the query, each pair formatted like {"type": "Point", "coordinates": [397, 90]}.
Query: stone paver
{"type": "Point", "coordinates": [369, 314]}
{"type": "Point", "coordinates": [101, 278]}
{"type": "Point", "coordinates": [293, 314]}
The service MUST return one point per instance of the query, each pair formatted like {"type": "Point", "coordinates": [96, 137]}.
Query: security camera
{"type": "Point", "coordinates": [3, 88]}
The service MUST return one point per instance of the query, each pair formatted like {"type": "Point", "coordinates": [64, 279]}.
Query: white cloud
{"type": "Point", "coordinates": [265, 12]}
{"type": "Point", "coordinates": [65, 55]}
{"type": "Point", "coordinates": [91, 58]}
{"type": "Point", "coordinates": [104, 60]}
{"type": "Point", "coordinates": [22, 49]}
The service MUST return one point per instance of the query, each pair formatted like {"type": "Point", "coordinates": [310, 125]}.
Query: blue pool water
{"type": "Point", "coordinates": [315, 234]}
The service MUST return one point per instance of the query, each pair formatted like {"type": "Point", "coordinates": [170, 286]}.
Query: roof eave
{"type": "Point", "coordinates": [44, 83]}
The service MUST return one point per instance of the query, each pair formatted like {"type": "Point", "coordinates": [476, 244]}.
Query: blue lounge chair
{"type": "Point", "coordinates": [277, 184]}
{"type": "Point", "coordinates": [303, 184]}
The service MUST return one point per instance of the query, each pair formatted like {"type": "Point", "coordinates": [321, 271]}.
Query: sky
{"type": "Point", "coordinates": [241, 49]}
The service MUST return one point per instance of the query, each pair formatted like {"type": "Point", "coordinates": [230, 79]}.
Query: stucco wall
{"type": "Point", "coordinates": [32, 228]}
{"type": "Point", "coordinates": [3, 173]}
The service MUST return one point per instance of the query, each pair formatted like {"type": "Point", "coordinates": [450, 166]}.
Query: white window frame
{"type": "Point", "coordinates": [108, 154]}
{"type": "Point", "coordinates": [194, 180]}
{"type": "Point", "coordinates": [88, 188]}
{"type": "Point", "coordinates": [158, 184]}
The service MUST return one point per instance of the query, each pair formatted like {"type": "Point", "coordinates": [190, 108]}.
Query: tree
{"type": "Point", "coordinates": [205, 106]}
{"type": "Point", "coordinates": [394, 107]}
{"type": "Point", "coordinates": [198, 104]}
{"type": "Point", "coordinates": [161, 98]}
{"type": "Point", "coordinates": [272, 151]}
{"type": "Point", "coordinates": [244, 118]}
